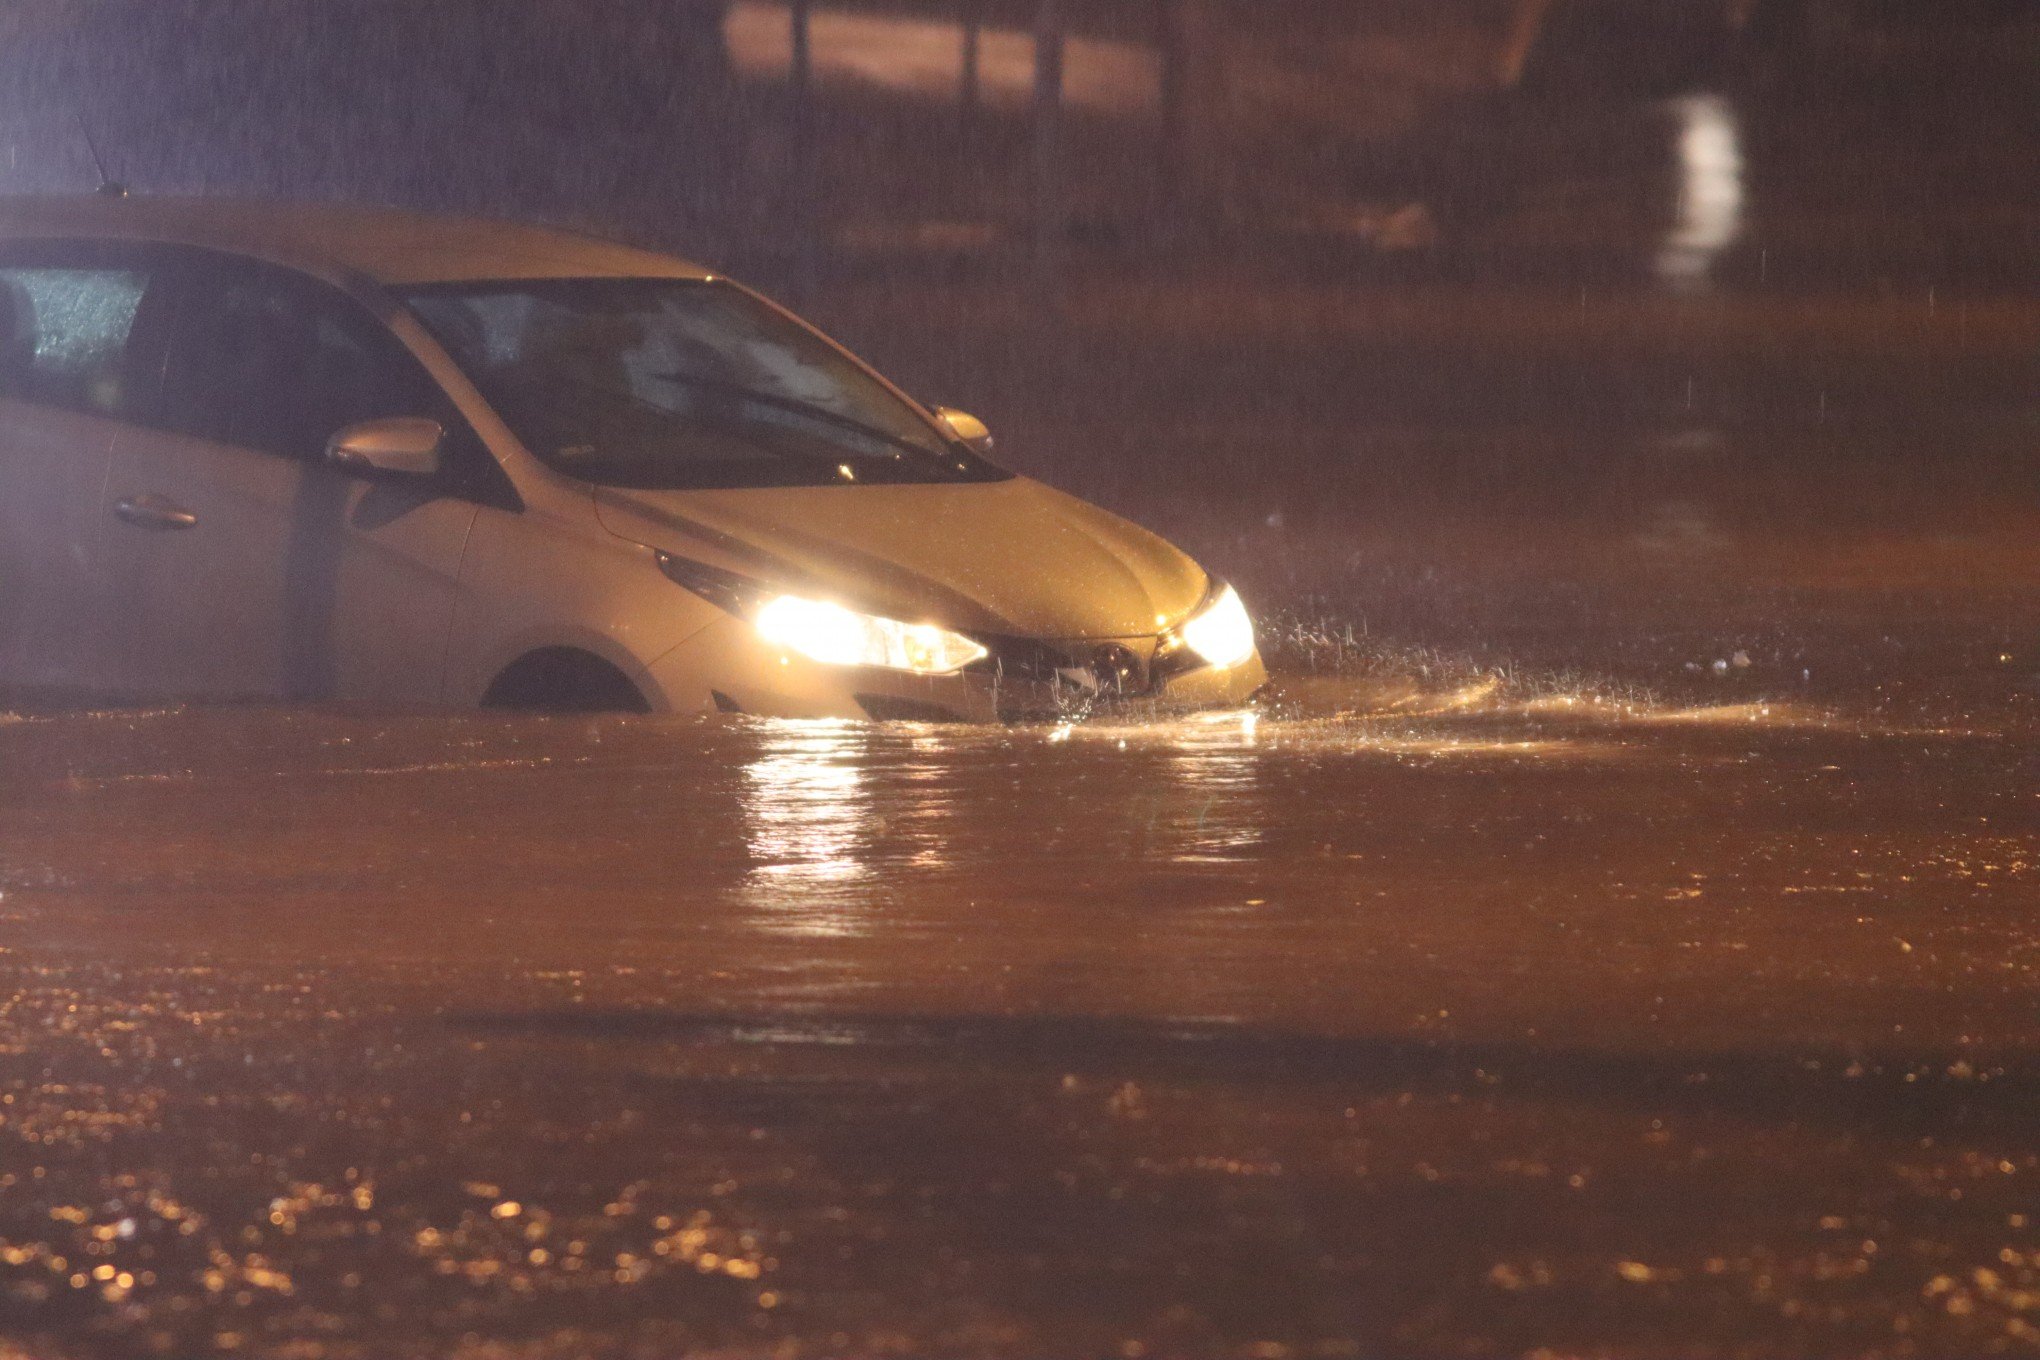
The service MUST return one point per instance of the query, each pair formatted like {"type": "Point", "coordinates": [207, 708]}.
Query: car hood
{"type": "Point", "coordinates": [1012, 557]}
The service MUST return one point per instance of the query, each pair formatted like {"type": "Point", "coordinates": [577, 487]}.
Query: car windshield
{"type": "Point", "coordinates": [670, 384]}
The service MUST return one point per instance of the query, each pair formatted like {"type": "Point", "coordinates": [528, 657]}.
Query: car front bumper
{"type": "Point", "coordinates": [728, 667]}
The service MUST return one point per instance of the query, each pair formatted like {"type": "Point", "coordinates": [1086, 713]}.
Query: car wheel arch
{"type": "Point", "coordinates": [565, 678]}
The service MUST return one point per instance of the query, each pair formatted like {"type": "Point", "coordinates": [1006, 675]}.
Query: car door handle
{"type": "Point", "coordinates": [153, 512]}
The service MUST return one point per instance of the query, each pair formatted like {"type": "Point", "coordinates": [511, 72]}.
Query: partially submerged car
{"type": "Point", "coordinates": [268, 450]}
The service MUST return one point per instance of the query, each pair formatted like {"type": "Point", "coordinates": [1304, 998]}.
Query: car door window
{"type": "Point", "coordinates": [278, 363]}
{"type": "Point", "coordinates": [65, 332]}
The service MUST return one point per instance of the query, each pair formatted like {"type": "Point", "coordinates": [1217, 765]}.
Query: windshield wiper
{"type": "Point", "coordinates": [566, 380]}
{"type": "Point", "coordinates": [797, 407]}
{"type": "Point", "coordinates": [927, 457]}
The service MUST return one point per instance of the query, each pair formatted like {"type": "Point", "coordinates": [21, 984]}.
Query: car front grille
{"type": "Point", "coordinates": [1122, 668]}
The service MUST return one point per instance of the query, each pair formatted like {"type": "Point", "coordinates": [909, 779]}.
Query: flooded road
{"type": "Point", "coordinates": [1414, 1018]}
{"type": "Point", "coordinates": [1618, 936]}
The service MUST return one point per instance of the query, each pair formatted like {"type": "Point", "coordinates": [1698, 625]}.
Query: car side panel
{"type": "Point", "coordinates": [550, 576]}
{"type": "Point", "coordinates": [199, 609]}
{"type": "Point", "coordinates": [53, 623]}
{"type": "Point", "coordinates": [296, 582]}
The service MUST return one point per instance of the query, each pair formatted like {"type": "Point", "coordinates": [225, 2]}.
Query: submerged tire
{"type": "Point", "coordinates": [564, 680]}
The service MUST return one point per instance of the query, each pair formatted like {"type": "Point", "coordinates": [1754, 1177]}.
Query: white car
{"type": "Point", "coordinates": [261, 450]}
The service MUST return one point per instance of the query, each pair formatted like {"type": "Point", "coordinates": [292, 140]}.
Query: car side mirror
{"type": "Point", "coordinates": [403, 446]}
{"type": "Point", "coordinates": [966, 429]}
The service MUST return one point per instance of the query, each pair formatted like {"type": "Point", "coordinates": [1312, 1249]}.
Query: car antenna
{"type": "Point", "coordinates": [109, 187]}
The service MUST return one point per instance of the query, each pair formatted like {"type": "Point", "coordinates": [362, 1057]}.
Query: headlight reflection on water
{"type": "Point", "coordinates": [809, 824]}
{"type": "Point", "coordinates": [831, 810]}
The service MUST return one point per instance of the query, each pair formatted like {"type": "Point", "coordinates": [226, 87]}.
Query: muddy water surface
{"type": "Point", "coordinates": [1421, 1018]}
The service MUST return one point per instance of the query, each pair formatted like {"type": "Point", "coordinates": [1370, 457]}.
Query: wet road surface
{"type": "Point", "coordinates": [1618, 938]}
{"type": "Point", "coordinates": [1415, 1017]}
{"type": "Point", "coordinates": [1621, 937]}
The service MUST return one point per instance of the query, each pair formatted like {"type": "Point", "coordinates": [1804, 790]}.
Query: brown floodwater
{"type": "Point", "coordinates": [1620, 935]}
{"type": "Point", "coordinates": [1425, 1012]}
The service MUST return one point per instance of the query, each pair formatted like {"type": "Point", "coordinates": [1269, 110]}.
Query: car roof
{"type": "Point", "coordinates": [384, 245]}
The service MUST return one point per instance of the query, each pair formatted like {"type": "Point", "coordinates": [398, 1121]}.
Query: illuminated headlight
{"type": "Point", "coordinates": [1221, 632]}
{"type": "Point", "coordinates": [824, 632]}
{"type": "Point", "coordinates": [836, 636]}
